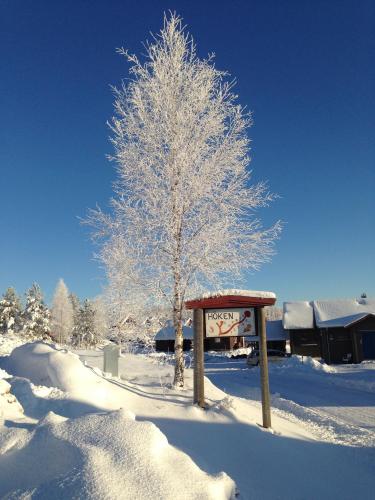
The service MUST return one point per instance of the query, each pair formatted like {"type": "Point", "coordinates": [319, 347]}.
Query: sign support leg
{"type": "Point", "coordinates": [198, 358]}
{"type": "Point", "coordinates": [266, 410]}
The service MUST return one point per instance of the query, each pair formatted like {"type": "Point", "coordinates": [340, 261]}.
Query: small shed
{"type": "Point", "coordinates": [164, 339]}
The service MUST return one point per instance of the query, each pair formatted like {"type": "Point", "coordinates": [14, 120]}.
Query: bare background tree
{"type": "Point", "coordinates": [183, 211]}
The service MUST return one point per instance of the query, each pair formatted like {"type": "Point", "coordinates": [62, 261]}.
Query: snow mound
{"type": "Point", "coordinates": [105, 456]}
{"type": "Point", "coordinates": [305, 363]}
{"type": "Point", "coordinates": [45, 364]}
{"type": "Point", "coordinates": [220, 355]}
{"type": "Point", "coordinates": [96, 455]}
{"type": "Point", "coordinates": [9, 406]}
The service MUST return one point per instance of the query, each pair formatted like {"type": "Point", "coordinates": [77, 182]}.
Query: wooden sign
{"type": "Point", "coordinates": [236, 322]}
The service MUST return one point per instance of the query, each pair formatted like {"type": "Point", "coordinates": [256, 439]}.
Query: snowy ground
{"type": "Point", "coordinates": [337, 403]}
{"type": "Point", "coordinates": [318, 448]}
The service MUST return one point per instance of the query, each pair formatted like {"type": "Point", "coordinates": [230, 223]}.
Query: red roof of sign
{"type": "Point", "coordinates": [222, 301]}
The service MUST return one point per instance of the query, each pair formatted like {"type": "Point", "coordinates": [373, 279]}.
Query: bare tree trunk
{"type": "Point", "coordinates": [179, 354]}
{"type": "Point", "coordinates": [178, 344]}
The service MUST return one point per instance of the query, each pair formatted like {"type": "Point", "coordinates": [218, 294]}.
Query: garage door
{"type": "Point", "coordinates": [368, 344]}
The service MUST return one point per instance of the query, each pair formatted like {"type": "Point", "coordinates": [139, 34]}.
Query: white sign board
{"type": "Point", "coordinates": [230, 322]}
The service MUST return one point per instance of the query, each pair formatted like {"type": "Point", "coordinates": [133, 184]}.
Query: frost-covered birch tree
{"type": "Point", "coordinates": [61, 314]}
{"type": "Point", "coordinates": [100, 317]}
{"type": "Point", "coordinates": [183, 210]}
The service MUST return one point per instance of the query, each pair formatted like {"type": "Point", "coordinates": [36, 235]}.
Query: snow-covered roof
{"type": "Point", "coordinates": [234, 292]}
{"type": "Point", "coordinates": [168, 332]}
{"type": "Point", "coordinates": [328, 313]}
{"type": "Point", "coordinates": [274, 331]}
{"type": "Point", "coordinates": [343, 312]}
{"type": "Point", "coordinates": [298, 315]}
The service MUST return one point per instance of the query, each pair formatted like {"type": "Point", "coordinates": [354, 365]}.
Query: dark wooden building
{"type": "Point", "coordinates": [338, 331]}
{"type": "Point", "coordinates": [276, 339]}
{"type": "Point", "coordinates": [164, 339]}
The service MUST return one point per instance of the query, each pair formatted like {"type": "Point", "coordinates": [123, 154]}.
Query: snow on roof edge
{"type": "Point", "coordinates": [240, 293]}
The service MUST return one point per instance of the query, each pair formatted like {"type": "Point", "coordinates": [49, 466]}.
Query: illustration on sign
{"type": "Point", "coordinates": [230, 322]}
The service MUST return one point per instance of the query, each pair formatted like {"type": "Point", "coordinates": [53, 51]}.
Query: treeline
{"type": "Point", "coordinates": [68, 321]}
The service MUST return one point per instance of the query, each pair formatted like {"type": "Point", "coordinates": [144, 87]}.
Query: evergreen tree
{"type": "Point", "coordinates": [10, 312]}
{"type": "Point", "coordinates": [84, 333]}
{"type": "Point", "coordinates": [61, 314]}
{"type": "Point", "coordinates": [36, 316]}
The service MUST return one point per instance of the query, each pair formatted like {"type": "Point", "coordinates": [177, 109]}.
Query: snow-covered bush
{"type": "Point", "coordinates": [36, 316]}
{"type": "Point", "coordinates": [84, 333]}
{"type": "Point", "coordinates": [10, 312]}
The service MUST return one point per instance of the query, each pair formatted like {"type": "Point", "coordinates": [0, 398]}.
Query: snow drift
{"type": "Point", "coordinates": [105, 454]}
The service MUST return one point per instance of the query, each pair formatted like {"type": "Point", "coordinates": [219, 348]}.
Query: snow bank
{"type": "Point", "coordinates": [218, 356]}
{"type": "Point", "coordinates": [94, 456]}
{"type": "Point", "coordinates": [105, 456]}
{"type": "Point", "coordinates": [305, 363]}
{"type": "Point", "coordinates": [45, 364]}
{"type": "Point", "coordinates": [9, 406]}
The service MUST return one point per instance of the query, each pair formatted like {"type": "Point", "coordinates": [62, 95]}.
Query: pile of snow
{"type": "Point", "coordinates": [105, 456]}
{"type": "Point", "coordinates": [45, 364]}
{"type": "Point", "coordinates": [100, 455]}
{"type": "Point", "coordinates": [9, 406]}
{"type": "Point", "coordinates": [305, 363]}
{"type": "Point", "coordinates": [219, 355]}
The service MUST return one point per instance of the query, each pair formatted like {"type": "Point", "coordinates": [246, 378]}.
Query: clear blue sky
{"type": "Point", "coordinates": [306, 70]}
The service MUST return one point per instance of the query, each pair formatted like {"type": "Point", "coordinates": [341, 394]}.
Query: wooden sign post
{"type": "Point", "coordinates": [198, 358]}
{"type": "Point", "coordinates": [264, 379]}
{"type": "Point", "coordinates": [231, 315]}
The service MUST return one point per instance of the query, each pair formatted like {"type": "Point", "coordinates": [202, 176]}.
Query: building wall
{"type": "Point", "coordinates": [210, 344]}
{"type": "Point", "coordinates": [223, 344]}
{"type": "Point", "coordinates": [340, 345]}
{"type": "Point", "coordinates": [168, 345]}
{"type": "Point", "coordinates": [365, 328]}
{"type": "Point", "coordinates": [305, 342]}
{"type": "Point", "coordinates": [337, 346]}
